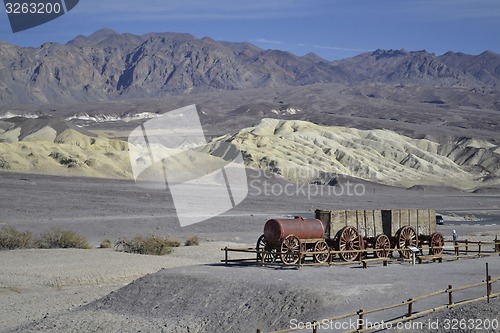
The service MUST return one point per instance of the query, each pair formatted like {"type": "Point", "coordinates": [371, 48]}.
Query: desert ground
{"type": "Point", "coordinates": [101, 290]}
{"type": "Point", "coordinates": [67, 166]}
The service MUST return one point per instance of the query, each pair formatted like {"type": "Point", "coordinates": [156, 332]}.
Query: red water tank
{"type": "Point", "coordinates": [276, 230]}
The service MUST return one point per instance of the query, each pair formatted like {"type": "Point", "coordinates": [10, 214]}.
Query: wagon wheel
{"type": "Point", "coordinates": [321, 246]}
{"type": "Point", "coordinates": [406, 236]}
{"type": "Point", "coordinates": [436, 243]}
{"type": "Point", "coordinates": [269, 252]}
{"type": "Point", "coordinates": [382, 246]}
{"type": "Point", "coordinates": [348, 239]}
{"type": "Point", "coordinates": [290, 250]}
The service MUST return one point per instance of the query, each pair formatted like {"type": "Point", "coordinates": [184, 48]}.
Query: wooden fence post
{"type": "Point", "coordinates": [489, 288]}
{"type": "Point", "coordinates": [299, 263]}
{"type": "Point", "coordinates": [450, 295]}
{"type": "Point", "coordinates": [479, 243]}
{"type": "Point", "coordinates": [488, 283]}
{"type": "Point", "coordinates": [225, 249]}
{"type": "Point", "coordinates": [410, 307]}
{"type": "Point", "coordinates": [466, 246]}
{"type": "Point", "coordinates": [315, 327]}
{"type": "Point", "coordinates": [361, 322]}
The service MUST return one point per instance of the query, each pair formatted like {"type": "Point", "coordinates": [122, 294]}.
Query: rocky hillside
{"type": "Point", "coordinates": [423, 68]}
{"type": "Point", "coordinates": [305, 152]}
{"type": "Point", "coordinates": [299, 151]}
{"type": "Point", "coordinates": [49, 145]}
{"type": "Point", "coordinates": [110, 66]}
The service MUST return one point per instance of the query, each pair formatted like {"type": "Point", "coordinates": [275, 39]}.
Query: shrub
{"type": "Point", "coordinates": [11, 238]}
{"type": "Point", "coordinates": [150, 245]}
{"type": "Point", "coordinates": [174, 242]}
{"type": "Point", "coordinates": [56, 238]}
{"type": "Point", "coordinates": [106, 244]}
{"type": "Point", "coordinates": [192, 241]}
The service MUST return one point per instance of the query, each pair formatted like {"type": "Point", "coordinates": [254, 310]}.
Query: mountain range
{"type": "Point", "coordinates": [108, 66]}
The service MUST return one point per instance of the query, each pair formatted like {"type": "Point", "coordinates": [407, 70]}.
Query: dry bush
{"type": "Point", "coordinates": [192, 241]}
{"type": "Point", "coordinates": [106, 244]}
{"type": "Point", "coordinates": [56, 238]}
{"type": "Point", "coordinates": [470, 217]}
{"type": "Point", "coordinates": [147, 245]}
{"type": "Point", "coordinates": [11, 238]}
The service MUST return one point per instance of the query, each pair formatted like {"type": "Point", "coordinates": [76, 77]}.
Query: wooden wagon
{"type": "Point", "coordinates": [350, 232]}
{"type": "Point", "coordinates": [381, 230]}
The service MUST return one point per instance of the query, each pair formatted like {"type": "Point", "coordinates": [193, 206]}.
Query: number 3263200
{"type": "Point", "coordinates": [33, 8]}
{"type": "Point", "coordinates": [471, 324]}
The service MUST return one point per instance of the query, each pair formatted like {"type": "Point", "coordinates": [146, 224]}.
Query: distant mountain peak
{"type": "Point", "coordinates": [313, 56]}
{"type": "Point", "coordinates": [459, 54]}
{"type": "Point", "coordinates": [490, 52]}
{"type": "Point", "coordinates": [94, 38]}
{"type": "Point", "coordinates": [208, 39]}
{"type": "Point", "coordinates": [101, 35]}
{"type": "Point", "coordinates": [380, 54]}
{"type": "Point", "coordinates": [108, 65]}
{"type": "Point", "coordinates": [104, 32]}
{"type": "Point", "coordinates": [179, 36]}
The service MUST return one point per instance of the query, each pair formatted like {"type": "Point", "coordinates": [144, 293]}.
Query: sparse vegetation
{"type": "Point", "coordinates": [56, 238]}
{"type": "Point", "coordinates": [11, 238]}
{"type": "Point", "coordinates": [17, 290]}
{"type": "Point", "coordinates": [106, 244]}
{"type": "Point", "coordinates": [192, 241]}
{"type": "Point", "coordinates": [147, 245]}
{"type": "Point", "coordinates": [470, 217]}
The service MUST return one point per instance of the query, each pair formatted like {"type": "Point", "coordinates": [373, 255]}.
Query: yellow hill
{"type": "Point", "coordinates": [300, 151]}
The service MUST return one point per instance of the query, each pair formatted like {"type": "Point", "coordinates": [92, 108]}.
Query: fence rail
{"type": "Point", "coordinates": [466, 246]}
{"type": "Point", "coordinates": [461, 249]}
{"type": "Point", "coordinates": [408, 314]}
{"type": "Point", "coordinates": [260, 256]}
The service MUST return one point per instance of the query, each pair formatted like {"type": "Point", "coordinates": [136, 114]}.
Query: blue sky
{"type": "Point", "coordinates": [334, 29]}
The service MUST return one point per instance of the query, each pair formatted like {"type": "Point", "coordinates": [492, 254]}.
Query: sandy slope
{"type": "Point", "coordinates": [52, 146]}
{"type": "Point", "coordinates": [300, 151]}
{"type": "Point", "coordinates": [69, 152]}
{"type": "Point", "coordinates": [34, 283]}
{"type": "Point", "coordinates": [215, 298]}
